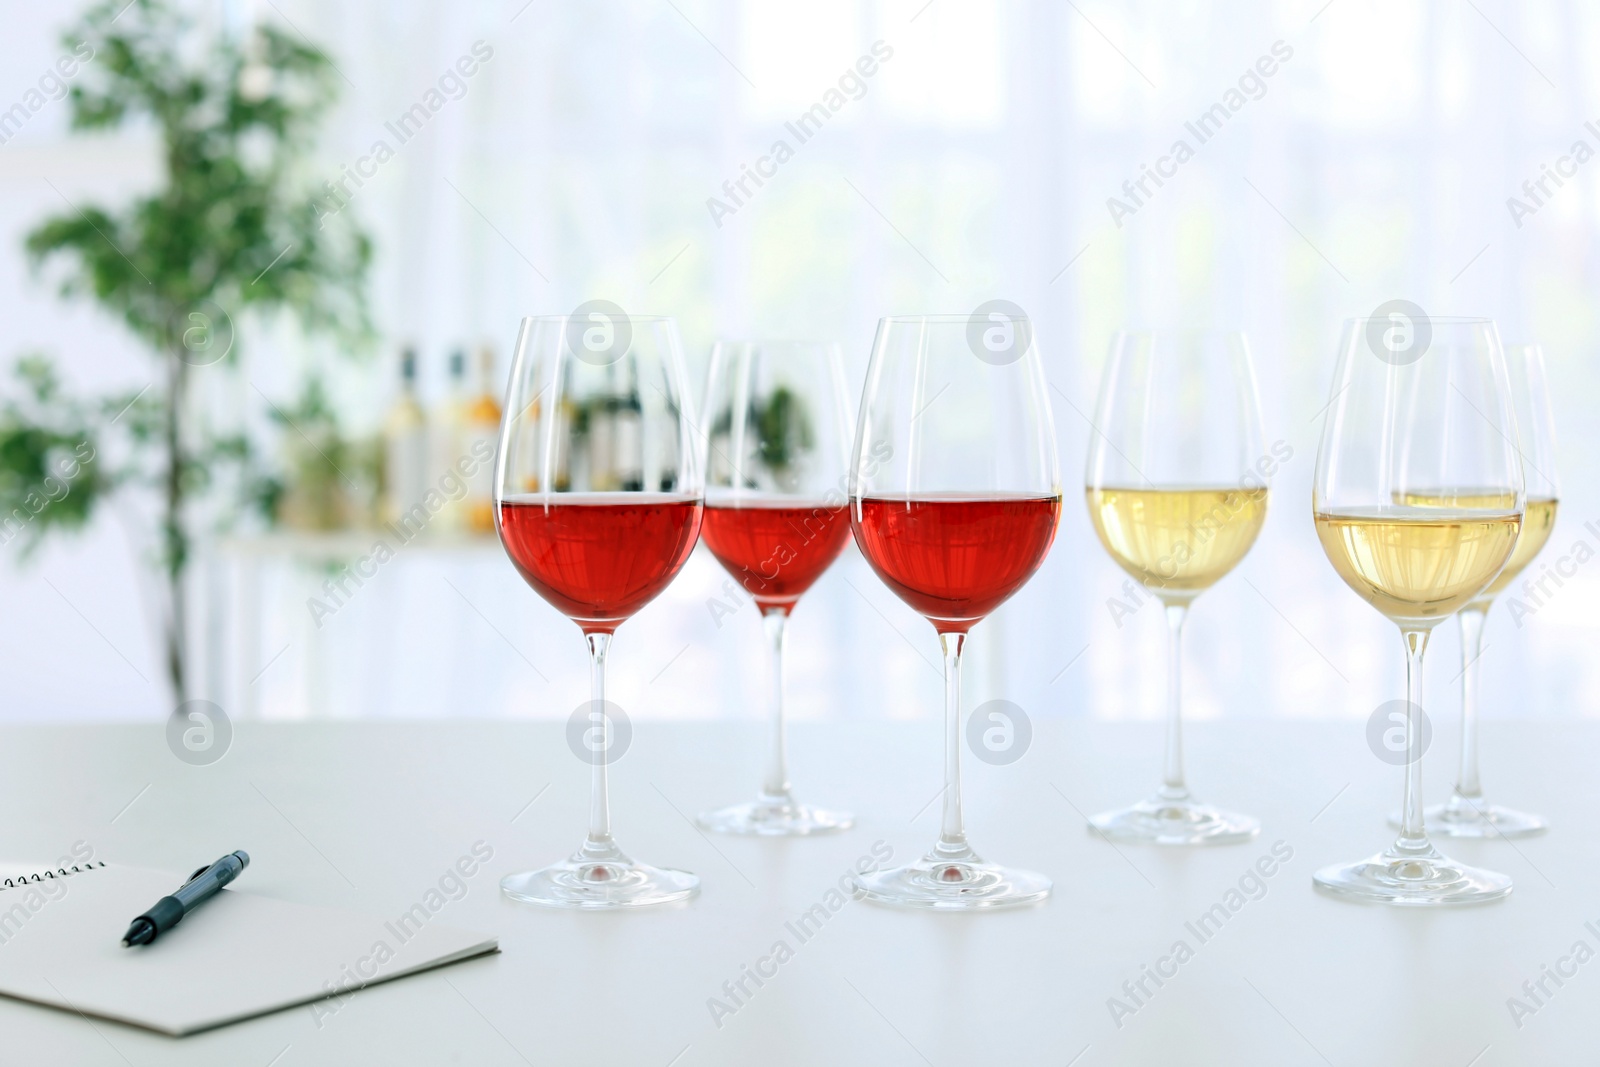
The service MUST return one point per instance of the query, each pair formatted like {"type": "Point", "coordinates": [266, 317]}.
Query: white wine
{"type": "Point", "coordinates": [1418, 564]}
{"type": "Point", "coordinates": [1537, 524]}
{"type": "Point", "coordinates": [1536, 527]}
{"type": "Point", "coordinates": [1177, 541]}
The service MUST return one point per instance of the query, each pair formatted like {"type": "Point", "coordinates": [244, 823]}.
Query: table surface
{"type": "Point", "coordinates": [371, 815]}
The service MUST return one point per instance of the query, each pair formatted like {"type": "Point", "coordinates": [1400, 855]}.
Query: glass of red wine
{"type": "Point", "coordinates": [955, 497]}
{"type": "Point", "coordinates": [776, 463]}
{"type": "Point", "coordinates": [598, 501]}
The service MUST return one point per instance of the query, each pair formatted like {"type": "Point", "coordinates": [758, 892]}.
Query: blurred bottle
{"type": "Point", "coordinates": [665, 450]}
{"type": "Point", "coordinates": [596, 414]}
{"type": "Point", "coordinates": [449, 436]}
{"type": "Point", "coordinates": [629, 430]}
{"type": "Point", "coordinates": [614, 417]}
{"type": "Point", "coordinates": [566, 415]}
{"type": "Point", "coordinates": [456, 401]}
{"type": "Point", "coordinates": [405, 448]}
{"type": "Point", "coordinates": [480, 432]}
{"type": "Point", "coordinates": [527, 438]}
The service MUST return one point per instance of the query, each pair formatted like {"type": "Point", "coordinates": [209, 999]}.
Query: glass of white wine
{"type": "Point", "coordinates": [1418, 502]}
{"type": "Point", "coordinates": [1177, 489]}
{"type": "Point", "coordinates": [1467, 813]}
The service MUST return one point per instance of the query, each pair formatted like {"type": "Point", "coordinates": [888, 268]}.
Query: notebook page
{"type": "Point", "coordinates": [238, 955]}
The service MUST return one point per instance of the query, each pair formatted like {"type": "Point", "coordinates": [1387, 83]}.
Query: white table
{"type": "Point", "coordinates": [370, 815]}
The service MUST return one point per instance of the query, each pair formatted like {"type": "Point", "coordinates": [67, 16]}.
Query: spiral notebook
{"type": "Point", "coordinates": [237, 956]}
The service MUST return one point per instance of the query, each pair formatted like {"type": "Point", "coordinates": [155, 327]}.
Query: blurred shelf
{"type": "Point", "coordinates": [233, 646]}
{"type": "Point", "coordinates": [338, 545]}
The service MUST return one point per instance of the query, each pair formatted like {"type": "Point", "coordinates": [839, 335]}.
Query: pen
{"type": "Point", "coordinates": [168, 912]}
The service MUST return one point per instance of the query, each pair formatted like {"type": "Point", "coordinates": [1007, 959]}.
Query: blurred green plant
{"type": "Point", "coordinates": [781, 434]}
{"type": "Point", "coordinates": [48, 475]}
{"type": "Point", "coordinates": [783, 429]}
{"type": "Point", "coordinates": [230, 229]}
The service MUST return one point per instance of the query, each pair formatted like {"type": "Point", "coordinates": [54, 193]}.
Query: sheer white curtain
{"type": "Point", "coordinates": [1374, 161]}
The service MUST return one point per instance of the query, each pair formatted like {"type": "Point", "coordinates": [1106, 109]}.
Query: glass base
{"type": "Point", "coordinates": [600, 876]}
{"type": "Point", "coordinates": [1417, 877]}
{"type": "Point", "coordinates": [1176, 820]}
{"type": "Point", "coordinates": [1461, 817]}
{"type": "Point", "coordinates": [956, 881]}
{"type": "Point", "coordinates": [775, 817]}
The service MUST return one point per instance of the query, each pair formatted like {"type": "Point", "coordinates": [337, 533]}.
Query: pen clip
{"type": "Point", "coordinates": [198, 872]}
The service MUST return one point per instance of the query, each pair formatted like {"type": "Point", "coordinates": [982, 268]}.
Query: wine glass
{"type": "Point", "coordinates": [1466, 813]}
{"type": "Point", "coordinates": [776, 462]}
{"type": "Point", "coordinates": [955, 498]}
{"type": "Point", "coordinates": [1418, 502]}
{"type": "Point", "coordinates": [1177, 482]}
{"type": "Point", "coordinates": [598, 500]}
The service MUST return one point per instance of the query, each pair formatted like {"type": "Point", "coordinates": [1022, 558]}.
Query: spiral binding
{"type": "Point", "coordinates": [60, 872]}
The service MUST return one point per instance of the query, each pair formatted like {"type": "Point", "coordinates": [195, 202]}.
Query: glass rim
{"type": "Point", "coordinates": [627, 315]}
{"type": "Point", "coordinates": [938, 319]}
{"type": "Point", "coordinates": [1181, 331]}
{"type": "Point", "coordinates": [1447, 320]}
{"type": "Point", "coordinates": [728, 342]}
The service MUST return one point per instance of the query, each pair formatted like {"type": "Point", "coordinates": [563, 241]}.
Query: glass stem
{"type": "Point", "coordinates": [775, 787]}
{"type": "Point", "coordinates": [1472, 619]}
{"type": "Point", "coordinates": [1172, 784]}
{"type": "Point", "coordinates": [952, 831]}
{"type": "Point", "coordinates": [1413, 838]}
{"type": "Point", "coordinates": [599, 842]}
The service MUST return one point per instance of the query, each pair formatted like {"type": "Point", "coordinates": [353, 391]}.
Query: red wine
{"type": "Point", "coordinates": [955, 557]}
{"type": "Point", "coordinates": [776, 547]}
{"type": "Point", "coordinates": [598, 558]}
